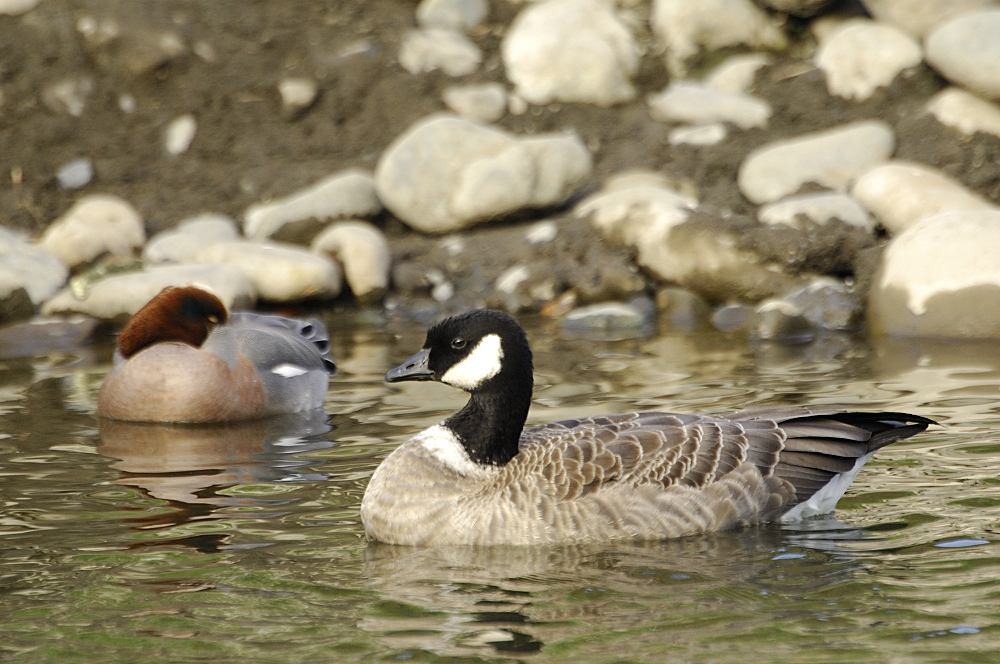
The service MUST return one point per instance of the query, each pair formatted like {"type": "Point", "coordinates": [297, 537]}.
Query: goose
{"type": "Point", "coordinates": [480, 478]}
{"type": "Point", "coordinates": [184, 358]}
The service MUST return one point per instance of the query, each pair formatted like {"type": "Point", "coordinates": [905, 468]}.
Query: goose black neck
{"type": "Point", "coordinates": [490, 425]}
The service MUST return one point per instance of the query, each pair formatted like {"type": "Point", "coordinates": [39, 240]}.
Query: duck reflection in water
{"type": "Point", "coordinates": [187, 466]}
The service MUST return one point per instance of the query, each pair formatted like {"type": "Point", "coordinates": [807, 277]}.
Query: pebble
{"type": "Point", "coordinates": [918, 17]}
{"type": "Point", "coordinates": [541, 232]}
{"type": "Point", "coordinates": [571, 50]}
{"type": "Point", "coordinates": [695, 103]}
{"type": "Point", "coordinates": [965, 112]}
{"type": "Point", "coordinates": [684, 27]}
{"type": "Point", "coordinates": [780, 321]}
{"type": "Point", "coordinates": [297, 96]}
{"type": "Point", "coordinates": [25, 265]}
{"type": "Point", "coordinates": [901, 193]}
{"type": "Point", "coordinates": [966, 51]}
{"type": "Point", "coordinates": [828, 304]}
{"type": "Point", "coordinates": [863, 56]}
{"type": "Point", "coordinates": [299, 216]}
{"type": "Point", "coordinates": [96, 224]}
{"type": "Point", "coordinates": [68, 95]}
{"type": "Point", "coordinates": [446, 173]}
{"type": "Point", "coordinates": [183, 243]}
{"type": "Point", "coordinates": [279, 272]}
{"type": "Point", "coordinates": [941, 278]}
{"type": "Point", "coordinates": [817, 208]}
{"type": "Point", "coordinates": [179, 134]}
{"type": "Point", "coordinates": [477, 103]}
{"type": "Point", "coordinates": [698, 135]}
{"type": "Point", "coordinates": [120, 295]}
{"type": "Point", "coordinates": [454, 14]}
{"type": "Point", "coordinates": [832, 158]}
{"type": "Point", "coordinates": [618, 319]}
{"type": "Point", "coordinates": [76, 173]}
{"type": "Point", "coordinates": [363, 251]}
{"type": "Point", "coordinates": [15, 7]}
{"type": "Point", "coordinates": [736, 74]}
{"type": "Point", "coordinates": [450, 51]}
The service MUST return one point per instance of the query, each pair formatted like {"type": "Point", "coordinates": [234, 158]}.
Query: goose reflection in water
{"type": "Point", "coordinates": [456, 601]}
{"type": "Point", "coordinates": [187, 466]}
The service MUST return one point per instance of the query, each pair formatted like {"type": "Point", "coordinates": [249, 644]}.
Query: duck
{"type": "Point", "coordinates": [481, 478]}
{"type": "Point", "coordinates": [183, 357]}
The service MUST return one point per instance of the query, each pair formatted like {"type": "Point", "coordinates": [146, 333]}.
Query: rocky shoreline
{"type": "Point", "coordinates": [780, 170]}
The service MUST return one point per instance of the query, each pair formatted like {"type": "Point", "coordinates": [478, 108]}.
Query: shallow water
{"type": "Point", "coordinates": [146, 543]}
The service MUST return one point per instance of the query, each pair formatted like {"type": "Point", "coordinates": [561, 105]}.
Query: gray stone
{"type": "Point", "coordinates": [454, 14]}
{"type": "Point", "coordinates": [780, 321]}
{"type": "Point", "coordinates": [95, 225]}
{"type": "Point", "coordinates": [965, 112]}
{"type": "Point", "coordinates": [828, 305]}
{"type": "Point", "coordinates": [694, 103]}
{"type": "Point", "coordinates": [832, 158]}
{"type": "Point", "coordinates": [966, 51]}
{"type": "Point", "coordinates": [446, 173]}
{"type": "Point", "coordinates": [571, 50]}
{"type": "Point", "coordinates": [29, 267]}
{"type": "Point", "coordinates": [941, 278]}
{"type": "Point", "coordinates": [817, 208]}
{"type": "Point", "coordinates": [75, 174]}
{"type": "Point", "coordinates": [119, 296]}
{"type": "Point", "coordinates": [682, 308]}
{"type": "Point", "coordinates": [612, 319]}
{"type": "Point", "coordinates": [732, 317]}
{"type": "Point", "coordinates": [863, 56]}
{"type": "Point", "coordinates": [363, 251]}
{"type": "Point", "coordinates": [299, 216]}
{"type": "Point", "coordinates": [183, 243]}
{"type": "Point", "coordinates": [450, 51]}
{"type": "Point", "coordinates": [477, 103]}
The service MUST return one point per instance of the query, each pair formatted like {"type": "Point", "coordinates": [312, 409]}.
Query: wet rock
{"type": "Point", "coordinates": [681, 308]}
{"type": "Point", "coordinates": [966, 50]}
{"type": "Point", "coordinates": [15, 304]}
{"type": "Point", "coordinates": [736, 74]}
{"type": "Point", "coordinates": [918, 17]}
{"type": "Point", "coordinates": [179, 134]}
{"type": "Point", "coordinates": [75, 174]}
{"type": "Point", "coordinates": [863, 56]}
{"type": "Point", "coordinates": [941, 278]}
{"type": "Point", "coordinates": [817, 208]}
{"type": "Point", "coordinates": [617, 319]}
{"type": "Point", "coordinates": [828, 305]}
{"type": "Point", "coordinates": [686, 26]}
{"type": "Point", "coordinates": [780, 321]}
{"type": "Point", "coordinates": [732, 317]}
{"type": "Point", "coordinates": [478, 103]}
{"type": "Point", "coordinates": [699, 135]}
{"type": "Point", "coordinates": [446, 173]}
{"type": "Point", "coordinates": [450, 51]}
{"type": "Point", "coordinates": [832, 158]}
{"type": "Point", "coordinates": [299, 216]}
{"type": "Point", "coordinates": [694, 103]}
{"type": "Point", "coordinates": [29, 267]}
{"type": "Point", "coordinates": [15, 7]}
{"type": "Point", "coordinates": [571, 50]}
{"type": "Point", "coordinates": [119, 296]}
{"type": "Point", "coordinates": [901, 193]}
{"type": "Point", "coordinates": [454, 14]}
{"type": "Point", "coordinates": [95, 225]}
{"type": "Point", "coordinates": [69, 95]}
{"type": "Point", "coordinates": [297, 96]}
{"type": "Point", "coordinates": [801, 8]}
{"type": "Point", "coordinates": [183, 243]}
{"type": "Point", "coordinates": [279, 272]}
{"type": "Point", "coordinates": [40, 336]}
{"type": "Point", "coordinates": [363, 251]}
{"type": "Point", "coordinates": [965, 112]}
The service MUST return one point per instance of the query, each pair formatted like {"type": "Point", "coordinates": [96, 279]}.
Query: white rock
{"type": "Point", "coordinates": [571, 50]}
{"type": "Point", "coordinates": [694, 103]}
{"type": "Point", "coordinates": [966, 51]}
{"type": "Point", "coordinates": [279, 272]}
{"type": "Point", "coordinates": [630, 215]}
{"type": "Point", "coordinates": [699, 135]}
{"type": "Point", "coordinates": [918, 17]}
{"type": "Point", "coordinates": [15, 7]}
{"type": "Point", "coordinates": [541, 232]}
{"type": "Point", "coordinates": [737, 74]}
{"type": "Point", "coordinates": [121, 295]}
{"type": "Point", "coordinates": [446, 173]}
{"type": "Point", "coordinates": [363, 251]}
{"type": "Point", "coordinates": [478, 103]}
{"type": "Point", "coordinates": [511, 278]}
{"type": "Point", "coordinates": [68, 95]}
{"type": "Point", "coordinates": [454, 14]}
{"type": "Point", "coordinates": [902, 193]}
{"type": "Point", "coordinates": [802, 8]}
{"type": "Point", "coordinates": [686, 26]}
{"type": "Point", "coordinates": [941, 278]}
{"type": "Point", "coordinates": [75, 174]}
{"type": "Point", "coordinates": [864, 56]}
{"type": "Point", "coordinates": [24, 265]}
{"type": "Point", "coordinates": [439, 48]}
{"type": "Point", "coordinates": [516, 104]}
{"type": "Point", "coordinates": [95, 225]}
{"type": "Point", "coordinates": [818, 208]}
{"type": "Point", "coordinates": [832, 158]}
{"type": "Point", "coordinates": [965, 112]}
{"type": "Point", "coordinates": [297, 94]}
{"type": "Point", "coordinates": [343, 195]}
{"type": "Point", "coordinates": [179, 134]}
{"type": "Point", "coordinates": [640, 177]}
{"type": "Point", "coordinates": [183, 243]}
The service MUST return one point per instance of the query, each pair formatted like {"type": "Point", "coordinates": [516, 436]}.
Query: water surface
{"type": "Point", "coordinates": [243, 543]}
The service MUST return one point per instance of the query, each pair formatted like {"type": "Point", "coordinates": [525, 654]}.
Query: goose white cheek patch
{"type": "Point", "coordinates": [480, 365]}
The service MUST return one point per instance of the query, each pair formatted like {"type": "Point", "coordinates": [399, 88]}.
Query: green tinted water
{"type": "Point", "coordinates": [243, 544]}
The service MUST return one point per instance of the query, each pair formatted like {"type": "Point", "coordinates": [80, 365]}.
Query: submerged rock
{"type": "Point", "coordinates": [617, 319]}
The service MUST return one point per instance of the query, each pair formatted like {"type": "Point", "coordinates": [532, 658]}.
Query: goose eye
{"type": "Point", "coordinates": [458, 342]}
